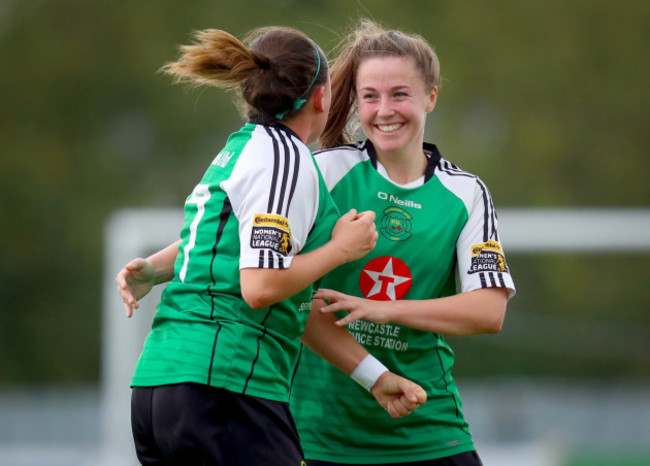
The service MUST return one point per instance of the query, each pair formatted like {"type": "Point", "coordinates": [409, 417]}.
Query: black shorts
{"type": "Point", "coordinates": [469, 458]}
{"type": "Point", "coordinates": [193, 424]}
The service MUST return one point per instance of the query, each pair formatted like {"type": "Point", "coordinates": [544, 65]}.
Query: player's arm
{"type": "Point", "coordinates": [470, 313]}
{"type": "Point", "coordinates": [139, 276]}
{"type": "Point", "coordinates": [397, 395]}
{"type": "Point", "coordinates": [353, 237]}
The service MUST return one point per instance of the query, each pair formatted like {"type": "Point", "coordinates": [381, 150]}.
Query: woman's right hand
{"type": "Point", "coordinates": [355, 234]}
{"type": "Point", "coordinates": [397, 395]}
{"type": "Point", "coordinates": [134, 281]}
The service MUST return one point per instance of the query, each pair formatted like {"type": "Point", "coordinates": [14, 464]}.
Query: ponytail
{"type": "Point", "coordinates": [275, 74]}
{"type": "Point", "coordinates": [215, 59]}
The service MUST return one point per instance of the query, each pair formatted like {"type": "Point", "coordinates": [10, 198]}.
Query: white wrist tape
{"type": "Point", "coordinates": [368, 371]}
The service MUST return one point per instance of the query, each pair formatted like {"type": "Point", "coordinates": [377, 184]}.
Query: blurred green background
{"type": "Point", "coordinates": [546, 101]}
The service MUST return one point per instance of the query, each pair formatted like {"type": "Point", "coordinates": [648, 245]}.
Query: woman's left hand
{"type": "Point", "coordinates": [358, 308]}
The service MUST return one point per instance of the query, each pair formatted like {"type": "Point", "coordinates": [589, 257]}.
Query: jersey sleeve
{"type": "Point", "coordinates": [273, 191]}
{"type": "Point", "coordinates": [481, 258]}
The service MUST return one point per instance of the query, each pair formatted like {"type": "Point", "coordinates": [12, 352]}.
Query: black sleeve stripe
{"type": "Point", "coordinates": [283, 184]}
{"type": "Point", "coordinates": [279, 208]}
{"type": "Point", "coordinates": [290, 171]}
{"type": "Point", "coordinates": [354, 146]}
{"type": "Point", "coordinates": [453, 170]}
{"type": "Point", "coordinates": [486, 212]}
{"type": "Point", "coordinates": [494, 234]}
{"type": "Point", "coordinates": [296, 170]}
{"type": "Point", "coordinates": [269, 259]}
{"type": "Point", "coordinates": [276, 160]}
{"type": "Point", "coordinates": [488, 215]}
{"type": "Point", "coordinates": [261, 262]}
{"type": "Point", "coordinates": [483, 280]}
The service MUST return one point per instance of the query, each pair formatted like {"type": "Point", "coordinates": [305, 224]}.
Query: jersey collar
{"type": "Point", "coordinates": [430, 150]}
{"type": "Point", "coordinates": [278, 126]}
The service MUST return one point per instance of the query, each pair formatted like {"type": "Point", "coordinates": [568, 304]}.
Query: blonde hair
{"type": "Point", "coordinates": [371, 40]}
{"type": "Point", "coordinates": [270, 73]}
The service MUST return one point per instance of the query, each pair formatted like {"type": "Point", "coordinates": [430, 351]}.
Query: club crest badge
{"type": "Point", "coordinates": [396, 224]}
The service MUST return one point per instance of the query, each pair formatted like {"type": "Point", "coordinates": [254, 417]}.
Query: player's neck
{"type": "Point", "coordinates": [403, 166]}
{"type": "Point", "coordinates": [303, 127]}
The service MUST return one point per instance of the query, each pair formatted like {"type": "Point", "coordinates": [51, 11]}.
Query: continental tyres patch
{"type": "Point", "coordinates": [271, 232]}
{"type": "Point", "coordinates": [488, 257]}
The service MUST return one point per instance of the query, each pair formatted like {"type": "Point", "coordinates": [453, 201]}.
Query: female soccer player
{"type": "Point", "coordinates": [212, 383]}
{"type": "Point", "coordinates": [438, 267]}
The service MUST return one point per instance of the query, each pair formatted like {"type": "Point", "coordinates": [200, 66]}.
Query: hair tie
{"type": "Point", "coordinates": [301, 101]}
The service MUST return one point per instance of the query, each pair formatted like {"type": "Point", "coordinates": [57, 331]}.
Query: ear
{"type": "Point", "coordinates": [318, 99]}
{"type": "Point", "coordinates": [433, 98]}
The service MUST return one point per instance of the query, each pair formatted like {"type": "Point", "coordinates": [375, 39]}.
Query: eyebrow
{"type": "Point", "coordinates": [396, 88]}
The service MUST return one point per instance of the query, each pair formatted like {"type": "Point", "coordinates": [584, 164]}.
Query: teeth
{"type": "Point", "coordinates": [389, 128]}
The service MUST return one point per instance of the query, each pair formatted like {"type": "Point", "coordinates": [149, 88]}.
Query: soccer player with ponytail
{"type": "Point", "coordinates": [438, 267]}
{"type": "Point", "coordinates": [211, 386]}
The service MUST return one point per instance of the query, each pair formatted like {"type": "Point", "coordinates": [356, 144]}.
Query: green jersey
{"type": "Point", "coordinates": [437, 236]}
{"type": "Point", "coordinates": [261, 202]}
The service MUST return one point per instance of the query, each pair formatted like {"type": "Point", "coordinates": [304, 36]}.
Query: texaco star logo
{"type": "Point", "coordinates": [385, 278]}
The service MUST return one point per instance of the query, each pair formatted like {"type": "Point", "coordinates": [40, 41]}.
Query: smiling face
{"type": "Point", "coordinates": [393, 104]}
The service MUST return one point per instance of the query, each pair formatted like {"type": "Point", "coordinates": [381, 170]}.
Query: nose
{"type": "Point", "coordinates": [385, 108]}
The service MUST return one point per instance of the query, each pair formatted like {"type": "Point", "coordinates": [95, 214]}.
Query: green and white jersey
{"type": "Point", "coordinates": [261, 202]}
{"type": "Point", "coordinates": [437, 236]}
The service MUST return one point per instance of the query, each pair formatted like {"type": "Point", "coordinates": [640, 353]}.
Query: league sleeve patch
{"type": "Point", "coordinates": [488, 257]}
{"type": "Point", "coordinates": [271, 232]}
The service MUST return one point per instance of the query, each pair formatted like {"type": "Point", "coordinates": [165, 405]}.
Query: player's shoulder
{"type": "Point", "coordinates": [267, 144]}
{"type": "Point", "coordinates": [462, 183]}
{"type": "Point", "coordinates": [354, 150]}
{"type": "Point", "coordinates": [448, 171]}
{"type": "Point", "coordinates": [337, 162]}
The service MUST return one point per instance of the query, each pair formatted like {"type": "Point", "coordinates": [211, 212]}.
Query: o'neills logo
{"type": "Point", "coordinates": [269, 220]}
{"type": "Point", "coordinates": [398, 201]}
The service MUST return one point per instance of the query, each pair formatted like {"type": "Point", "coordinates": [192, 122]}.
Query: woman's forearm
{"type": "Point", "coordinates": [335, 344]}
{"type": "Point", "coordinates": [263, 287]}
{"type": "Point", "coordinates": [163, 263]}
{"type": "Point", "coordinates": [471, 313]}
